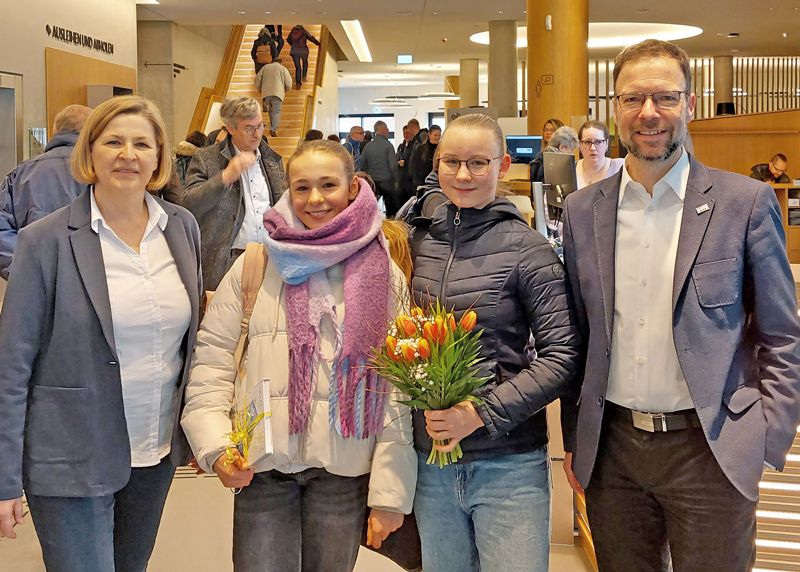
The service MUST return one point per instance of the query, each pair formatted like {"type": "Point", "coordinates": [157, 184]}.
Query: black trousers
{"type": "Point", "coordinates": [300, 66]}
{"type": "Point", "coordinates": [657, 499]}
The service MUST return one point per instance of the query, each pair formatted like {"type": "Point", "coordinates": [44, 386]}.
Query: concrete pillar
{"type": "Point", "coordinates": [558, 62]}
{"type": "Point", "coordinates": [723, 85]}
{"type": "Point", "coordinates": [503, 66]}
{"type": "Point", "coordinates": [468, 82]}
{"type": "Point", "coordinates": [452, 83]}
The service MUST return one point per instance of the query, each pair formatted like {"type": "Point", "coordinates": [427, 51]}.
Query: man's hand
{"type": "Point", "coordinates": [573, 481]}
{"type": "Point", "coordinates": [380, 524]}
{"type": "Point", "coordinates": [401, 163]}
{"type": "Point", "coordinates": [454, 424]}
{"type": "Point", "coordinates": [234, 475]}
{"type": "Point", "coordinates": [11, 516]}
{"type": "Point", "coordinates": [237, 166]}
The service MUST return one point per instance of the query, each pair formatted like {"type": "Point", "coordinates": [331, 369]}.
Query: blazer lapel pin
{"type": "Point", "coordinates": [702, 208]}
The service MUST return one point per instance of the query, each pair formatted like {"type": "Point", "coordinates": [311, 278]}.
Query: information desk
{"type": "Point", "coordinates": [789, 199]}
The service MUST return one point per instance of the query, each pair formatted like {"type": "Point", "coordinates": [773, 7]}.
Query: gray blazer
{"type": "Point", "coordinates": [735, 324]}
{"type": "Point", "coordinates": [220, 209]}
{"type": "Point", "coordinates": [62, 428]}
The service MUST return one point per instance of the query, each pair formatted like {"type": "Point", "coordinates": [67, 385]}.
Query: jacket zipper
{"type": "Point", "coordinates": [453, 242]}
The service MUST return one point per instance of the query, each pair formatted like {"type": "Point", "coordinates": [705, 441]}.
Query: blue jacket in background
{"type": "Point", "coordinates": [33, 190]}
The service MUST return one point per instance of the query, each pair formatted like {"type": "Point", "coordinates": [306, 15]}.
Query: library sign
{"type": "Point", "coordinates": [75, 38]}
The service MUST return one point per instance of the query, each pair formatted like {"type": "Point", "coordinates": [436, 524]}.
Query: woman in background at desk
{"type": "Point", "coordinates": [594, 166]}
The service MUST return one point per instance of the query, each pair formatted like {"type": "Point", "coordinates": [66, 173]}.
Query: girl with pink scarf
{"type": "Point", "coordinates": [341, 443]}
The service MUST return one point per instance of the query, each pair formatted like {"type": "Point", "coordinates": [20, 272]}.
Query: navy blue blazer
{"type": "Point", "coordinates": [62, 428]}
{"type": "Point", "coordinates": [735, 322]}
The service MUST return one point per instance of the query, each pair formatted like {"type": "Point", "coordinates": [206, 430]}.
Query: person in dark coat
{"type": "Point", "coordinates": [422, 157]}
{"type": "Point", "coordinates": [40, 185]}
{"type": "Point", "coordinates": [230, 185]}
{"type": "Point", "coordinates": [298, 40]}
{"type": "Point", "coordinates": [476, 252]}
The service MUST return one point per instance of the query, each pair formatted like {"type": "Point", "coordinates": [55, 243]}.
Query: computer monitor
{"type": "Point", "coordinates": [559, 177]}
{"type": "Point", "coordinates": [523, 148]}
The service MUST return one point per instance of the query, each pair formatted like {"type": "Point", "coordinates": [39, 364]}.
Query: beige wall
{"type": "Point", "coordinates": [326, 114]}
{"type": "Point", "coordinates": [24, 38]}
{"type": "Point", "coordinates": [155, 81]}
{"type": "Point", "coordinates": [198, 48]}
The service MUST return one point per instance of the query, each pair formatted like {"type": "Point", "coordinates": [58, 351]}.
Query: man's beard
{"type": "Point", "coordinates": [675, 144]}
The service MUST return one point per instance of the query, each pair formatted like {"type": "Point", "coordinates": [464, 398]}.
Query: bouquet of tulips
{"type": "Point", "coordinates": [432, 358]}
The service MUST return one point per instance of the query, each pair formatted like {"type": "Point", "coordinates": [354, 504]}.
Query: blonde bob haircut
{"type": "Point", "coordinates": [81, 162]}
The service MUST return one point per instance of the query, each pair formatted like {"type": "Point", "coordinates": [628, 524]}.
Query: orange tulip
{"type": "Point", "coordinates": [423, 348]}
{"type": "Point", "coordinates": [391, 346]}
{"type": "Point", "coordinates": [429, 332]}
{"type": "Point", "coordinates": [406, 325]}
{"type": "Point", "coordinates": [439, 329]}
{"type": "Point", "coordinates": [468, 320]}
{"type": "Point", "coordinates": [451, 322]}
{"type": "Point", "coordinates": [408, 352]}
{"type": "Point", "coordinates": [417, 312]}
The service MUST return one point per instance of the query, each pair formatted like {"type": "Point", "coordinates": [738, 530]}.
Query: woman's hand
{"type": "Point", "coordinates": [234, 475]}
{"type": "Point", "coordinates": [380, 524]}
{"type": "Point", "coordinates": [11, 516]}
{"type": "Point", "coordinates": [454, 424]}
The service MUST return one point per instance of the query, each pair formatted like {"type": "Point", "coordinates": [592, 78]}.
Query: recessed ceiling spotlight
{"type": "Point", "coordinates": [733, 34]}
{"type": "Point", "coordinates": [642, 11]}
{"type": "Point", "coordinates": [267, 12]}
{"type": "Point", "coordinates": [242, 13]}
{"type": "Point", "coordinates": [292, 13]}
{"type": "Point", "coordinates": [734, 51]}
{"type": "Point", "coordinates": [435, 13]}
{"type": "Point", "coordinates": [785, 35]}
{"type": "Point", "coordinates": [499, 11]}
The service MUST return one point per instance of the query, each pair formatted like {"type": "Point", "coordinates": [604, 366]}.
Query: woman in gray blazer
{"type": "Point", "coordinates": [96, 335]}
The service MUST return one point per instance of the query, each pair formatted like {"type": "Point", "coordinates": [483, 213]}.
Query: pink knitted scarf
{"type": "Point", "coordinates": [301, 256]}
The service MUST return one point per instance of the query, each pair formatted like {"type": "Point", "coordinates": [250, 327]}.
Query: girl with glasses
{"type": "Point", "coordinates": [490, 510]}
{"type": "Point", "coordinates": [594, 166]}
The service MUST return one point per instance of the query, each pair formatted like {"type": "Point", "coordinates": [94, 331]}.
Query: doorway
{"type": "Point", "coordinates": [10, 121]}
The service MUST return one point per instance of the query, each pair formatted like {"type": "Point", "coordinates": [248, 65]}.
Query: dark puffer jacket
{"type": "Point", "coordinates": [495, 263]}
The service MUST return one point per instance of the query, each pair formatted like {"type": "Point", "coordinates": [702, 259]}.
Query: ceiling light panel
{"type": "Point", "coordinates": [357, 39]}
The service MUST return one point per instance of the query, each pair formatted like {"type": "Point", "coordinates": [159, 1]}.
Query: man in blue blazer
{"type": "Point", "coordinates": [686, 304]}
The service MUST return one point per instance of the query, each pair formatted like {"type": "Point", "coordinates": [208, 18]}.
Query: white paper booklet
{"type": "Point", "coordinates": [256, 403]}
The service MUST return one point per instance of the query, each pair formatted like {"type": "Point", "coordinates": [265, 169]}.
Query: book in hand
{"type": "Point", "coordinates": [252, 423]}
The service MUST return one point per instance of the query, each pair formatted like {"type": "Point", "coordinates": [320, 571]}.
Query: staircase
{"type": "Point", "coordinates": [297, 102]}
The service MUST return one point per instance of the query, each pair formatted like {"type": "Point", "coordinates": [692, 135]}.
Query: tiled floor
{"type": "Point", "coordinates": [195, 536]}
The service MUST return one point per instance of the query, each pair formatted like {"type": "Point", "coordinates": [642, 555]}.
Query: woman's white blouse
{"type": "Point", "coordinates": [150, 310]}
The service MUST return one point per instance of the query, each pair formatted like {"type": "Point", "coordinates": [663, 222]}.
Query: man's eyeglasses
{"type": "Point", "coordinates": [477, 165]}
{"type": "Point", "coordinates": [661, 99]}
{"type": "Point", "coordinates": [776, 170]}
{"type": "Point", "coordinates": [253, 129]}
{"type": "Point", "coordinates": [588, 144]}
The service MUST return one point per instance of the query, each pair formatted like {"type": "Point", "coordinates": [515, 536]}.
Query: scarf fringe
{"type": "Point", "coordinates": [356, 399]}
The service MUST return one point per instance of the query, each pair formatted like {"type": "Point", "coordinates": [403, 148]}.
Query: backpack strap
{"type": "Point", "coordinates": [255, 263]}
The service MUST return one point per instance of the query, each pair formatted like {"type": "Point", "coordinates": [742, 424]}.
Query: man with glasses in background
{"type": "Point", "coordinates": [353, 143]}
{"type": "Point", "coordinates": [229, 187]}
{"type": "Point", "coordinates": [772, 172]}
{"type": "Point", "coordinates": [686, 303]}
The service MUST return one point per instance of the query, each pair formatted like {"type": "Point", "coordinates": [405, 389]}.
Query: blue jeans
{"type": "Point", "coordinates": [489, 515]}
{"type": "Point", "coordinates": [112, 533]}
{"type": "Point", "coordinates": [309, 521]}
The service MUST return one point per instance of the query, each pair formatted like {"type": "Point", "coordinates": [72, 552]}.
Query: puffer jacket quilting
{"type": "Point", "coordinates": [512, 278]}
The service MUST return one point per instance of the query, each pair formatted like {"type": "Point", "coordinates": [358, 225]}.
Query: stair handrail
{"type": "Point", "coordinates": [208, 96]}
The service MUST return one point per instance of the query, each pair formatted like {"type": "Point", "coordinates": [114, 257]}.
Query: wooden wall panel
{"type": "Point", "coordinates": [737, 142]}
{"type": "Point", "coordinates": [68, 74]}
